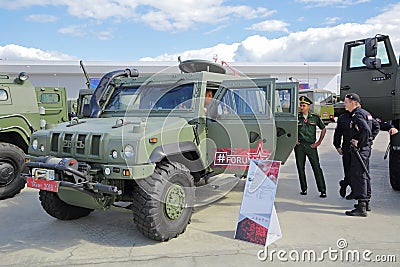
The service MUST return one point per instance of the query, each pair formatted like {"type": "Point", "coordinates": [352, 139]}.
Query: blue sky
{"type": "Point", "coordinates": [250, 31]}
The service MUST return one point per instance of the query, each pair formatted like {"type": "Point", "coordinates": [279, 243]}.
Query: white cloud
{"type": "Point", "coordinates": [225, 52]}
{"type": "Point", "coordinates": [172, 15]}
{"type": "Point", "coordinates": [85, 31]}
{"type": "Point", "coordinates": [338, 3]}
{"type": "Point", "coordinates": [41, 18]}
{"type": "Point", "coordinates": [313, 44]}
{"type": "Point", "coordinates": [331, 20]}
{"type": "Point", "coordinates": [270, 26]}
{"type": "Point", "coordinates": [17, 52]}
{"type": "Point", "coordinates": [73, 30]}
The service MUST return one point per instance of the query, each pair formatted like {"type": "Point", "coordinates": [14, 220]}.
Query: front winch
{"type": "Point", "coordinates": [50, 173]}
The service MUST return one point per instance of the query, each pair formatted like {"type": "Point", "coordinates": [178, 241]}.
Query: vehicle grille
{"type": "Point", "coordinates": [70, 144]}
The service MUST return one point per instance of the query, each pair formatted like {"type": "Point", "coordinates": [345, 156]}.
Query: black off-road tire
{"type": "Point", "coordinates": [58, 209]}
{"type": "Point", "coordinates": [12, 162]}
{"type": "Point", "coordinates": [394, 169]}
{"type": "Point", "coordinates": [149, 208]}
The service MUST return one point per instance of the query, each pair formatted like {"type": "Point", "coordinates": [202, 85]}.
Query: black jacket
{"type": "Point", "coordinates": [364, 127]}
{"type": "Point", "coordinates": [343, 130]}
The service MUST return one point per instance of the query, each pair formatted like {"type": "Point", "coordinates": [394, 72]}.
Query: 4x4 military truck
{"type": "Point", "coordinates": [24, 109]}
{"type": "Point", "coordinates": [370, 68]}
{"type": "Point", "coordinates": [150, 139]}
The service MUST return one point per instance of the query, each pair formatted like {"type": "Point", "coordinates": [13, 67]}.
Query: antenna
{"type": "Point", "coordinates": [85, 73]}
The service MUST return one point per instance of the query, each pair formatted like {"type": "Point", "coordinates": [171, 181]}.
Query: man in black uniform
{"type": "Point", "coordinates": [343, 146]}
{"type": "Point", "coordinates": [361, 139]}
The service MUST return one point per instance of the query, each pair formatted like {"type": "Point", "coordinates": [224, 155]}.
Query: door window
{"type": "Point", "coordinates": [357, 53]}
{"type": "Point", "coordinates": [3, 95]}
{"type": "Point", "coordinates": [243, 101]}
{"type": "Point", "coordinates": [49, 98]}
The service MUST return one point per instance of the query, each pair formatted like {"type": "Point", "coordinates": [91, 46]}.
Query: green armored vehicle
{"type": "Point", "coordinates": [24, 109]}
{"type": "Point", "coordinates": [150, 139]}
{"type": "Point", "coordinates": [371, 69]}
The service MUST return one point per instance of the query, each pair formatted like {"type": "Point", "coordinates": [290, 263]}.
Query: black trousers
{"type": "Point", "coordinates": [346, 160]}
{"type": "Point", "coordinates": [360, 183]}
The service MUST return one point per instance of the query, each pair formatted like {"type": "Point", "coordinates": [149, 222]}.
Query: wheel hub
{"type": "Point", "coordinates": [174, 202]}
{"type": "Point", "coordinates": [7, 173]}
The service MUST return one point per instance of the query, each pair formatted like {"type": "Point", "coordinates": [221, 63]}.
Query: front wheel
{"type": "Point", "coordinates": [12, 161]}
{"type": "Point", "coordinates": [57, 208]}
{"type": "Point", "coordinates": [394, 165]}
{"type": "Point", "coordinates": [163, 203]}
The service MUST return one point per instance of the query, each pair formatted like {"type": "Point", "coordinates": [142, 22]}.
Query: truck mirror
{"type": "Point", "coordinates": [86, 111]}
{"type": "Point", "coordinates": [371, 47]}
{"type": "Point", "coordinates": [372, 63]}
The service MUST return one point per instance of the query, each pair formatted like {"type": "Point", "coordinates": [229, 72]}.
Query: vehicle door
{"type": "Point", "coordinates": [285, 113]}
{"type": "Point", "coordinates": [52, 104]}
{"type": "Point", "coordinates": [240, 125]}
{"type": "Point", "coordinates": [375, 87]}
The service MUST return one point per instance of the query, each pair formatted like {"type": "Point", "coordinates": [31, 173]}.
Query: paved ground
{"type": "Point", "coordinates": [29, 237]}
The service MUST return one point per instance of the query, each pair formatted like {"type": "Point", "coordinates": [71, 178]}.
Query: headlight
{"type": "Point", "coordinates": [114, 154]}
{"type": "Point", "coordinates": [128, 151]}
{"type": "Point", "coordinates": [42, 148]}
{"type": "Point", "coordinates": [35, 144]}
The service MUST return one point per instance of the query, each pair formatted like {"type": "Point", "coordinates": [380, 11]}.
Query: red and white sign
{"type": "Point", "coordinates": [239, 157]}
{"type": "Point", "coordinates": [40, 184]}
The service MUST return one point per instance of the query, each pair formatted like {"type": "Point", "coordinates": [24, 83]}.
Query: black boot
{"type": "Point", "coordinates": [342, 190]}
{"type": "Point", "coordinates": [360, 211]}
{"type": "Point", "coordinates": [368, 207]}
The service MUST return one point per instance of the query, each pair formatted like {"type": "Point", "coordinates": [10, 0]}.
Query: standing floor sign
{"type": "Point", "coordinates": [258, 222]}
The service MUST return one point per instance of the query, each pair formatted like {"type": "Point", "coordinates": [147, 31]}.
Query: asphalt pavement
{"type": "Point", "coordinates": [315, 231]}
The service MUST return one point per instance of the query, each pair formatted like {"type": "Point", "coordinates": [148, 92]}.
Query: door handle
{"type": "Point", "coordinates": [345, 88]}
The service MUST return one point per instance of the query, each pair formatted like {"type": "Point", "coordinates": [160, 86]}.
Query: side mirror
{"type": "Point", "coordinates": [86, 111]}
{"type": "Point", "coordinates": [371, 47]}
{"type": "Point", "coordinates": [372, 63]}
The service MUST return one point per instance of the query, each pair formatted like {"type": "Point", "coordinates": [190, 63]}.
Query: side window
{"type": "Point", "coordinates": [249, 101]}
{"type": "Point", "coordinates": [283, 100]}
{"type": "Point", "coordinates": [357, 54]}
{"type": "Point", "coordinates": [227, 105]}
{"type": "Point", "coordinates": [3, 95]}
{"type": "Point", "coordinates": [49, 98]}
{"type": "Point", "coordinates": [243, 101]}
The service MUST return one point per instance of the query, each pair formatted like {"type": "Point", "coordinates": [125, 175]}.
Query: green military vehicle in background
{"type": "Point", "coordinates": [150, 139]}
{"type": "Point", "coordinates": [24, 109]}
{"type": "Point", "coordinates": [370, 68]}
{"type": "Point", "coordinates": [323, 103]}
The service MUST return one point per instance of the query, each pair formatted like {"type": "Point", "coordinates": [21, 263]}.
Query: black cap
{"type": "Point", "coordinates": [306, 100]}
{"type": "Point", "coordinates": [354, 96]}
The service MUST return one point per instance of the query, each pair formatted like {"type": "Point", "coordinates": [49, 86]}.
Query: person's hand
{"type": "Point", "coordinates": [354, 142]}
{"type": "Point", "coordinates": [393, 131]}
{"type": "Point", "coordinates": [315, 145]}
{"type": "Point", "coordinates": [298, 143]}
{"type": "Point", "coordinates": [339, 150]}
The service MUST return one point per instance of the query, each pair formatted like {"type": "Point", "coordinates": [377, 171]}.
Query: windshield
{"type": "Point", "coordinates": [323, 98]}
{"type": "Point", "coordinates": [157, 96]}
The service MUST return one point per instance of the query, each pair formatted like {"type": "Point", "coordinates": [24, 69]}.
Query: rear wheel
{"type": "Point", "coordinates": [394, 165]}
{"type": "Point", "coordinates": [12, 161]}
{"type": "Point", "coordinates": [163, 203]}
{"type": "Point", "coordinates": [57, 208]}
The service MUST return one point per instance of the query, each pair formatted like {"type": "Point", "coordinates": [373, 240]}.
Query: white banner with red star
{"type": "Point", "coordinates": [257, 222]}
